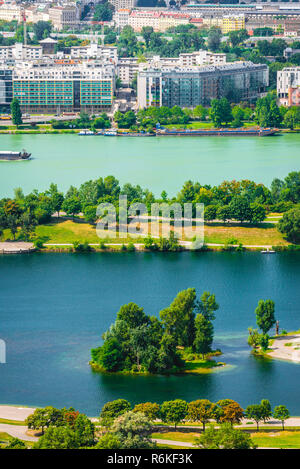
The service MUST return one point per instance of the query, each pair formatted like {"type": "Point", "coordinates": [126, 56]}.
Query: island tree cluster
{"type": "Point", "coordinates": [137, 342]}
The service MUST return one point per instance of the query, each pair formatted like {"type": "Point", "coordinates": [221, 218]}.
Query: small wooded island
{"type": "Point", "coordinates": [180, 341]}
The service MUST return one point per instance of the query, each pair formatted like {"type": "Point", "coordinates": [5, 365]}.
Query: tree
{"type": "Point", "coordinates": [240, 208]}
{"type": "Point", "coordinates": [113, 409]}
{"type": "Point", "coordinates": [132, 430]}
{"type": "Point", "coordinates": [108, 441]}
{"type": "Point", "coordinates": [289, 224]}
{"type": "Point", "coordinates": [103, 12]}
{"type": "Point", "coordinates": [281, 413]}
{"type": "Point", "coordinates": [173, 411]}
{"type": "Point", "coordinates": [226, 437]}
{"type": "Point", "coordinates": [220, 112]}
{"type": "Point", "coordinates": [57, 438]}
{"type": "Point", "coordinates": [71, 206]}
{"type": "Point", "coordinates": [265, 315]}
{"type": "Point", "coordinates": [84, 431]}
{"type": "Point", "coordinates": [266, 409]}
{"type": "Point", "coordinates": [16, 113]}
{"type": "Point", "coordinates": [223, 213]}
{"type": "Point", "coordinates": [149, 409]}
{"type": "Point", "coordinates": [232, 413]}
{"type": "Point", "coordinates": [178, 318]}
{"type": "Point", "coordinates": [258, 212]}
{"type": "Point", "coordinates": [255, 412]}
{"type": "Point", "coordinates": [42, 29]}
{"type": "Point", "coordinates": [42, 418]}
{"type": "Point", "coordinates": [15, 443]}
{"type": "Point", "coordinates": [201, 410]}
{"type": "Point", "coordinates": [204, 335]}
{"type": "Point", "coordinates": [214, 39]}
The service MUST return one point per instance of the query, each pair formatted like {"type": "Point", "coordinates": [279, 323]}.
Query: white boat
{"type": "Point", "coordinates": [86, 132]}
{"type": "Point", "coordinates": [268, 251]}
{"type": "Point", "coordinates": [110, 133]}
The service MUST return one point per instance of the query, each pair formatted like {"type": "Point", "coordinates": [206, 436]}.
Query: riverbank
{"type": "Point", "coordinates": [286, 347]}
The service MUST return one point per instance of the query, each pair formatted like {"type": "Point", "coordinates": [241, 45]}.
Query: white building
{"type": "Point", "coordinates": [288, 86]}
{"type": "Point", "coordinates": [20, 52]}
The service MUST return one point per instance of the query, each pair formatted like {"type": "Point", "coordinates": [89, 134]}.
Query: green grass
{"type": "Point", "coordinates": [176, 436]}
{"type": "Point", "coordinates": [12, 422]}
{"type": "Point", "coordinates": [201, 366]}
{"type": "Point", "coordinates": [283, 439]}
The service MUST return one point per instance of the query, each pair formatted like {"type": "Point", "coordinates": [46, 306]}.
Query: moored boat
{"type": "Point", "coordinates": [256, 132]}
{"type": "Point", "coordinates": [86, 132]}
{"type": "Point", "coordinates": [14, 155]}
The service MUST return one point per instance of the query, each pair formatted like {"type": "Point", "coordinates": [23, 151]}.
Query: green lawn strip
{"type": "Point", "coordinates": [284, 439]}
{"type": "Point", "coordinates": [176, 436]}
{"type": "Point", "coordinates": [12, 422]}
{"type": "Point", "coordinates": [170, 446]}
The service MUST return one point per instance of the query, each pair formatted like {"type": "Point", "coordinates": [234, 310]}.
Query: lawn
{"type": "Point", "coordinates": [176, 436]}
{"type": "Point", "coordinates": [201, 366]}
{"type": "Point", "coordinates": [284, 439]}
{"type": "Point", "coordinates": [12, 422]}
{"type": "Point", "coordinates": [266, 234]}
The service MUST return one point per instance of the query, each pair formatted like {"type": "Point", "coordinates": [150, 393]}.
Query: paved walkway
{"type": "Point", "coordinates": [15, 412]}
{"type": "Point", "coordinates": [11, 247]}
{"type": "Point", "coordinates": [17, 431]}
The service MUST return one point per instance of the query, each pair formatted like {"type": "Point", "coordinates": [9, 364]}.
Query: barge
{"type": "Point", "coordinates": [217, 132]}
{"type": "Point", "coordinates": [14, 155]}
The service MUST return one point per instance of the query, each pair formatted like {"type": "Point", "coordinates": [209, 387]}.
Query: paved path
{"type": "Point", "coordinates": [173, 443]}
{"type": "Point", "coordinates": [15, 247]}
{"type": "Point", "coordinates": [17, 431]}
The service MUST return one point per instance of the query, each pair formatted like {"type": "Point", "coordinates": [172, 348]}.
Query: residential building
{"type": "Point", "coordinates": [128, 4]}
{"type": "Point", "coordinates": [128, 67]}
{"type": "Point", "coordinates": [288, 86]}
{"type": "Point", "coordinates": [95, 51]}
{"type": "Point", "coordinates": [64, 17]}
{"type": "Point", "coordinates": [232, 23]}
{"type": "Point", "coordinates": [121, 18]}
{"type": "Point", "coordinates": [189, 87]}
{"type": "Point", "coordinates": [5, 87]}
{"type": "Point", "coordinates": [57, 86]}
{"type": "Point", "coordinates": [19, 51]}
{"type": "Point", "coordinates": [10, 12]}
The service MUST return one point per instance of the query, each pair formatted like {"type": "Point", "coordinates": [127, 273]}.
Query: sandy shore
{"type": "Point", "coordinates": [10, 412]}
{"type": "Point", "coordinates": [286, 348]}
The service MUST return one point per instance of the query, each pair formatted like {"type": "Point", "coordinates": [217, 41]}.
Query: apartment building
{"type": "Point", "coordinates": [10, 12]}
{"type": "Point", "coordinates": [57, 86]}
{"type": "Point", "coordinates": [95, 51]}
{"type": "Point", "coordinates": [232, 23]}
{"type": "Point", "coordinates": [119, 4]}
{"type": "Point", "coordinates": [121, 18]}
{"type": "Point", "coordinates": [128, 67]}
{"type": "Point", "coordinates": [64, 17]}
{"type": "Point", "coordinates": [5, 87]}
{"type": "Point", "coordinates": [288, 86]}
{"type": "Point", "coordinates": [19, 51]}
{"type": "Point", "coordinates": [142, 18]}
{"type": "Point", "coordinates": [189, 87]}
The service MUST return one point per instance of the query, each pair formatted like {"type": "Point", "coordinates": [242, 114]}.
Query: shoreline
{"type": "Point", "coordinates": [76, 131]}
{"type": "Point", "coordinates": [68, 248]}
{"type": "Point", "coordinates": [286, 348]}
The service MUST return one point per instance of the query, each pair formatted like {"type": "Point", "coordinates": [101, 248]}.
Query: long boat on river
{"type": "Point", "coordinates": [14, 155]}
{"type": "Point", "coordinates": [256, 132]}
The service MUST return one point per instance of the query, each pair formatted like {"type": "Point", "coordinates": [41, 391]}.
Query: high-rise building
{"type": "Point", "coordinates": [63, 86]}
{"type": "Point", "coordinates": [189, 87]}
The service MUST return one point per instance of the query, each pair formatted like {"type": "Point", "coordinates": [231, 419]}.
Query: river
{"type": "Point", "coordinates": [163, 163]}
{"type": "Point", "coordinates": [54, 308]}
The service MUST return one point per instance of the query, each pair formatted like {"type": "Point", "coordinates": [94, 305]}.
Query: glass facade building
{"type": "Point", "coordinates": [190, 87]}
